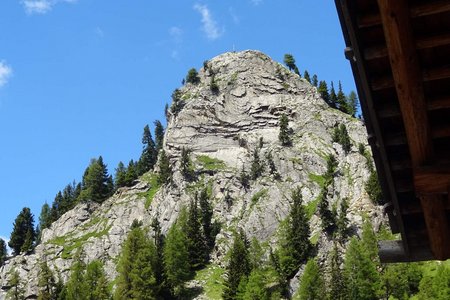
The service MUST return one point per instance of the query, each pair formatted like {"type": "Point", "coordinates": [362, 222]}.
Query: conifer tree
{"type": "Point", "coordinates": [136, 279]}
{"type": "Point", "coordinates": [97, 185]}
{"type": "Point", "coordinates": [192, 76]}
{"type": "Point", "coordinates": [352, 103]}
{"type": "Point", "coordinates": [314, 80]}
{"type": "Point", "coordinates": [306, 76]}
{"type": "Point", "coordinates": [120, 178]}
{"type": "Point", "coordinates": [323, 91]}
{"type": "Point", "coordinates": [341, 100]}
{"type": "Point", "coordinates": [244, 178]}
{"type": "Point", "coordinates": [187, 169]}
{"type": "Point", "coordinates": [76, 288]}
{"type": "Point", "coordinates": [46, 283]}
{"type": "Point", "coordinates": [340, 135]}
{"type": "Point", "coordinates": [96, 281]}
{"type": "Point", "coordinates": [326, 215]}
{"type": "Point", "coordinates": [337, 283]}
{"type": "Point", "coordinates": [295, 247]}
{"type": "Point", "coordinates": [158, 262]}
{"type": "Point", "coordinates": [272, 168]}
{"type": "Point", "coordinates": [159, 135]}
{"type": "Point", "coordinates": [206, 213]}
{"type": "Point", "coordinates": [177, 102]}
{"type": "Point", "coordinates": [255, 287]}
{"type": "Point", "coordinates": [3, 252]}
{"type": "Point", "coordinates": [289, 61]}
{"type": "Point", "coordinates": [284, 135]}
{"type": "Point", "coordinates": [16, 289]}
{"type": "Point", "coordinates": [131, 175]}
{"type": "Point", "coordinates": [23, 234]}
{"type": "Point", "coordinates": [361, 277]}
{"type": "Point", "coordinates": [196, 244]}
{"type": "Point", "coordinates": [373, 188]}
{"type": "Point", "coordinates": [45, 218]}
{"type": "Point", "coordinates": [148, 156]}
{"type": "Point", "coordinates": [333, 97]}
{"type": "Point", "coordinates": [238, 266]}
{"type": "Point", "coordinates": [436, 286]}
{"type": "Point", "coordinates": [165, 171]}
{"type": "Point", "coordinates": [176, 257]}
{"type": "Point", "coordinates": [312, 285]}
{"type": "Point", "coordinates": [257, 168]}
{"type": "Point", "coordinates": [342, 220]}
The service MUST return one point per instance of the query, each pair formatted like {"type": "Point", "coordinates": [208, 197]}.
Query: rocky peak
{"type": "Point", "coordinates": [232, 110]}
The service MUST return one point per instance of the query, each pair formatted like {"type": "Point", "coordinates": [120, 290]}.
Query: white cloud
{"type": "Point", "coordinates": [5, 73]}
{"type": "Point", "coordinates": [209, 24]}
{"type": "Point", "coordinates": [176, 34]}
{"type": "Point", "coordinates": [41, 6]}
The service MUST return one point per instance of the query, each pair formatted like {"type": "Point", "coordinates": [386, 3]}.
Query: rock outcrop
{"type": "Point", "coordinates": [222, 125]}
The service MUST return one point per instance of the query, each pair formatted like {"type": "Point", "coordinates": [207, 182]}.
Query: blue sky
{"type": "Point", "coordinates": [81, 78]}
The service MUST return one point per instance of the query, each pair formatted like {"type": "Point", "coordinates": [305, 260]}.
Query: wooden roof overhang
{"type": "Point", "coordinates": [400, 56]}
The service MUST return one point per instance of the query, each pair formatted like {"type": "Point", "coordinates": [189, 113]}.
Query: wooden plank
{"type": "Point", "coordinates": [425, 9]}
{"type": "Point", "coordinates": [407, 75]}
{"type": "Point", "coordinates": [433, 207]}
{"type": "Point", "coordinates": [428, 42]}
{"type": "Point", "coordinates": [392, 110]}
{"type": "Point", "coordinates": [432, 180]}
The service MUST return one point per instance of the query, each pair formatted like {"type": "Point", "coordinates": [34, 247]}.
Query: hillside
{"type": "Point", "coordinates": [226, 118]}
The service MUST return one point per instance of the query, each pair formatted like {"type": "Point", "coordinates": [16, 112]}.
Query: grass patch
{"type": "Point", "coordinates": [258, 195]}
{"type": "Point", "coordinates": [311, 208]}
{"type": "Point", "coordinates": [213, 282]}
{"type": "Point", "coordinates": [154, 188]}
{"type": "Point", "coordinates": [315, 238]}
{"type": "Point", "coordinates": [209, 163]}
{"type": "Point", "coordinates": [319, 179]}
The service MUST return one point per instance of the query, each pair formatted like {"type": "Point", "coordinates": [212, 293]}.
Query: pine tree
{"type": "Point", "coordinates": [340, 135]}
{"type": "Point", "coordinates": [401, 281]}
{"type": "Point", "coordinates": [341, 100]}
{"type": "Point", "coordinates": [206, 213]}
{"type": "Point", "coordinates": [244, 178]}
{"type": "Point", "coordinates": [238, 266]}
{"type": "Point", "coordinates": [149, 155]}
{"type": "Point", "coordinates": [136, 279]}
{"type": "Point", "coordinates": [176, 258]}
{"type": "Point", "coordinates": [158, 265]}
{"type": "Point", "coordinates": [306, 76]}
{"type": "Point", "coordinates": [352, 103]}
{"type": "Point", "coordinates": [361, 277]}
{"type": "Point", "coordinates": [295, 247]}
{"type": "Point", "coordinates": [56, 210]}
{"type": "Point", "coordinates": [131, 175]}
{"type": "Point", "coordinates": [76, 288]}
{"type": "Point", "coordinates": [96, 281]}
{"type": "Point", "coordinates": [257, 168]}
{"type": "Point", "coordinates": [192, 76]}
{"type": "Point", "coordinates": [187, 169]}
{"type": "Point", "coordinates": [23, 232]}
{"type": "Point", "coordinates": [45, 217]}
{"type": "Point", "coordinates": [314, 80]}
{"type": "Point", "coordinates": [165, 171]}
{"type": "Point", "coordinates": [337, 283]}
{"type": "Point", "coordinates": [312, 285]}
{"type": "Point", "coordinates": [46, 283]}
{"type": "Point", "coordinates": [255, 287]}
{"type": "Point", "coordinates": [159, 135]}
{"type": "Point", "coordinates": [97, 184]}
{"type": "Point", "coordinates": [16, 289]}
{"type": "Point", "coordinates": [342, 220]}
{"type": "Point", "coordinates": [373, 188]}
{"type": "Point", "coordinates": [177, 102]}
{"type": "Point", "coordinates": [197, 246]}
{"type": "Point", "coordinates": [284, 136]}
{"type": "Point", "coordinates": [3, 252]}
{"type": "Point", "coordinates": [120, 178]}
{"type": "Point", "coordinates": [333, 96]}
{"type": "Point", "coordinates": [436, 286]}
{"type": "Point", "coordinates": [326, 215]}
{"type": "Point", "coordinates": [272, 168]}
{"type": "Point", "coordinates": [289, 61]}
{"type": "Point", "coordinates": [323, 91]}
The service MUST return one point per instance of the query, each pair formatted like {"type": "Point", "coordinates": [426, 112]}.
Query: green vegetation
{"type": "Point", "coordinates": [210, 164]}
{"type": "Point", "coordinates": [192, 76]}
{"type": "Point", "coordinates": [340, 135]}
{"type": "Point", "coordinates": [319, 179]}
{"type": "Point", "coordinates": [212, 281]}
{"type": "Point", "coordinates": [165, 170]}
{"type": "Point", "coordinates": [23, 234]}
{"type": "Point", "coordinates": [285, 132]}
{"type": "Point", "coordinates": [289, 61]}
{"type": "Point", "coordinates": [258, 196]}
{"type": "Point", "coordinates": [152, 179]}
{"type": "Point", "coordinates": [373, 188]}
{"type": "Point", "coordinates": [312, 284]}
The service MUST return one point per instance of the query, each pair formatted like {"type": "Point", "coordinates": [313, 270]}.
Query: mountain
{"type": "Point", "coordinates": [228, 116]}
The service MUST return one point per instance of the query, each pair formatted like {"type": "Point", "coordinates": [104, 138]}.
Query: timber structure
{"type": "Point", "coordinates": [400, 56]}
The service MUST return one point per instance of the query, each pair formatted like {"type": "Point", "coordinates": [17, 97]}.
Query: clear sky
{"type": "Point", "coordinates": [81, 78]}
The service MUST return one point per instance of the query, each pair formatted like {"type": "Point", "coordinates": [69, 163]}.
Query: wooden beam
{"type": "Point", "coordinates": [425, 9]}
{"type": "Point", "coordinates": [428, 42]}
{"type": "Point", "coordinates": [407, 74]}
{"type": "Point", "coordinates": [433, 207]}
{"type": "Point", "coordinates": [390, 110]}
{"type": "Point", "coordinates": [432, 180]}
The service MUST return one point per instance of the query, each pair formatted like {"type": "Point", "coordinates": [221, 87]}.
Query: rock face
{"type": "Point", "coordinates": [223, 127]}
